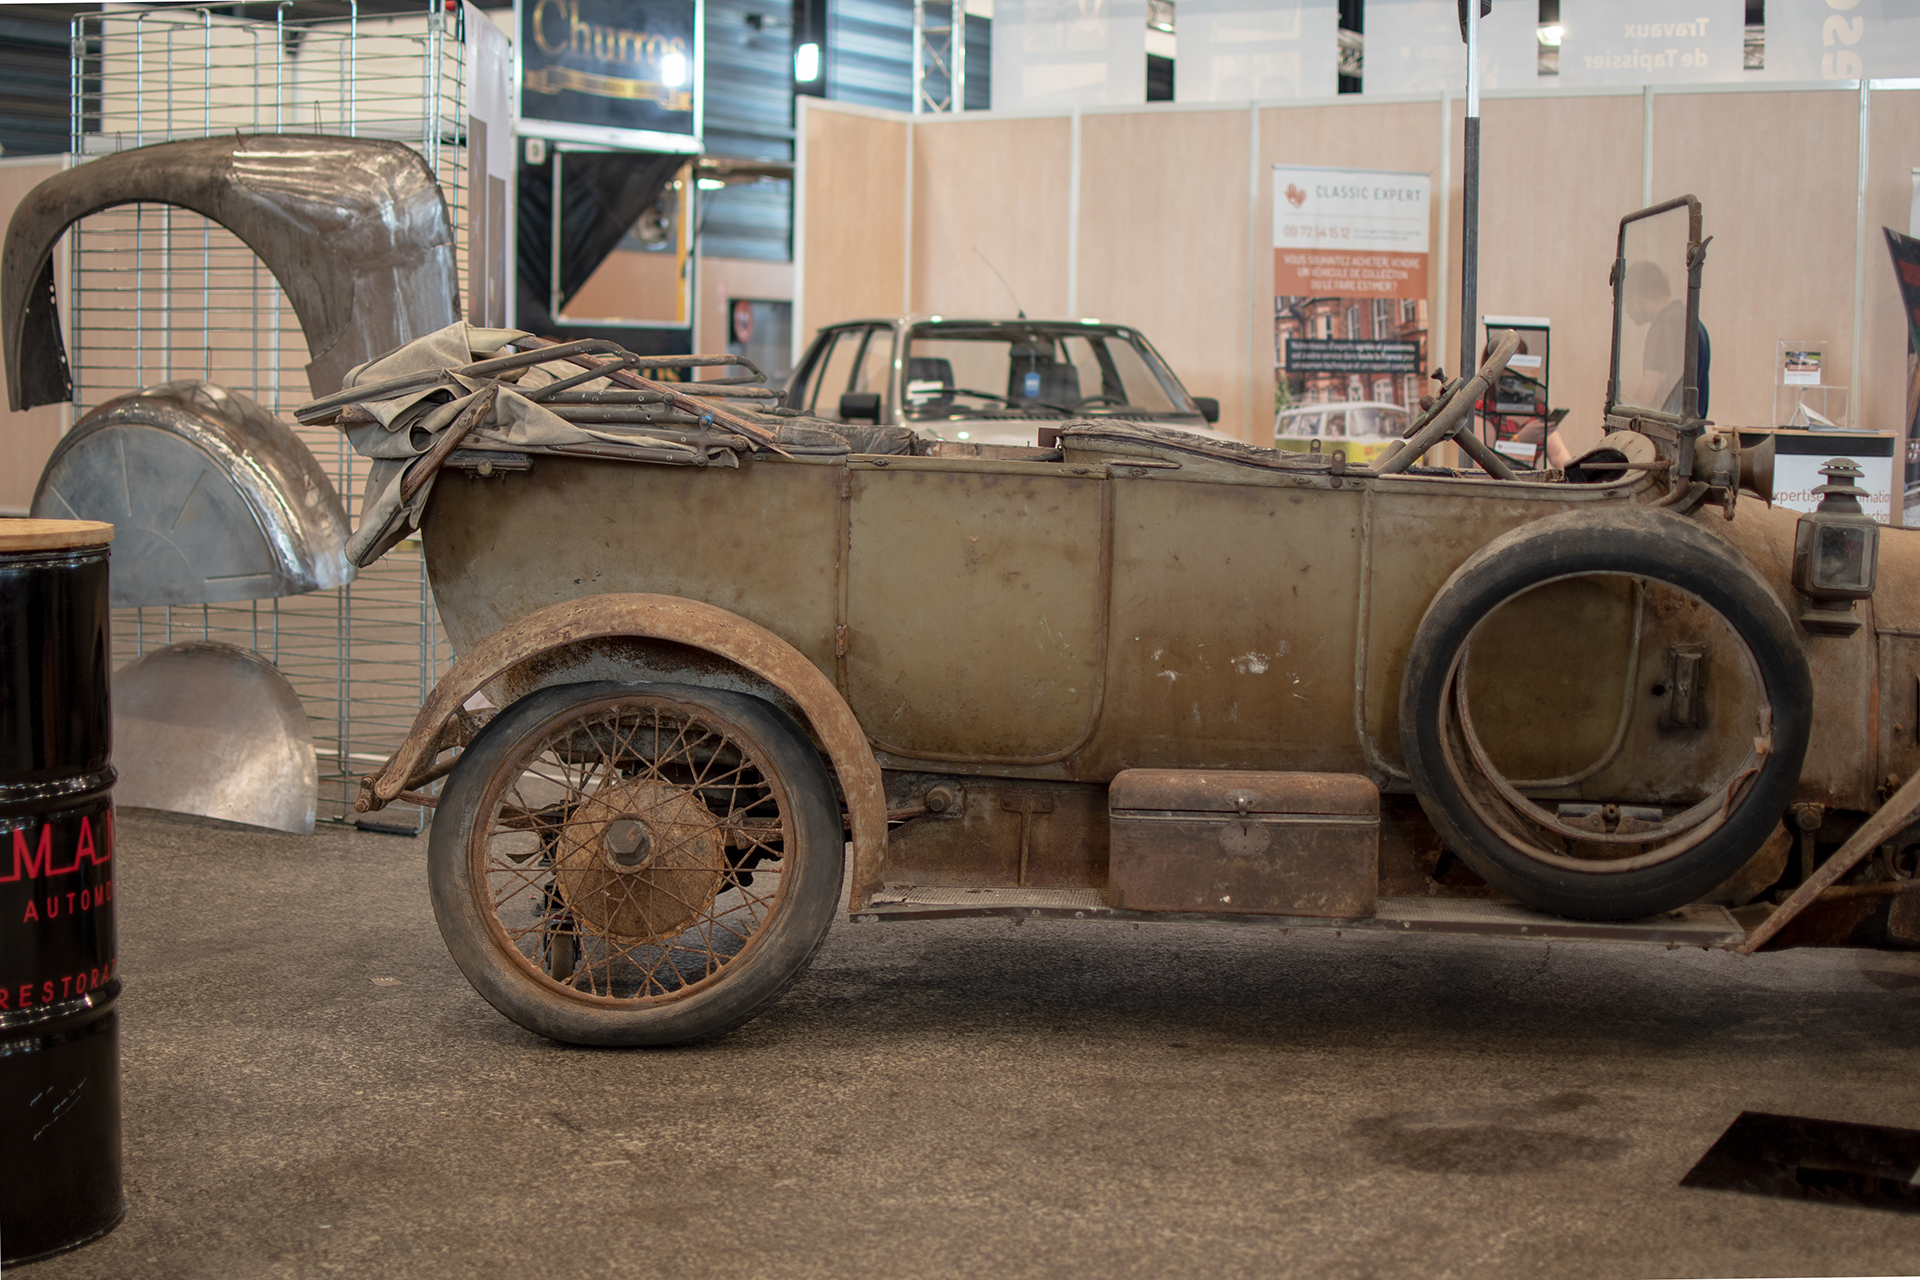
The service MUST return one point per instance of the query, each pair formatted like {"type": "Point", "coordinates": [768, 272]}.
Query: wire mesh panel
{"type": "Point", "coordinates": [159, 293]}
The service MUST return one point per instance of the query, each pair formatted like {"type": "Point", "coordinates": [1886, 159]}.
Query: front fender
{"type": "Point", "coordinates": [695, 624]}
{"type": "Point", "coordinates": [355, 230]}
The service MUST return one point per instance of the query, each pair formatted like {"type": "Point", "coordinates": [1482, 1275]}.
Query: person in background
{"type": "Point", "coordinates": [1649, 301]}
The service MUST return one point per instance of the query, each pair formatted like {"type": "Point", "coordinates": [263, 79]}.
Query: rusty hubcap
{"type": "Point", "coordinates": [641, 860]}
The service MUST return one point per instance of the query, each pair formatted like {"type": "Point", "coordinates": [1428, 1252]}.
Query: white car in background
{"type": "Point", "coordinates": [991, 382]}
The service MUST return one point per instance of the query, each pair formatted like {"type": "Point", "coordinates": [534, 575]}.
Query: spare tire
{"type": "Point", "coordinates": [1451, 783]}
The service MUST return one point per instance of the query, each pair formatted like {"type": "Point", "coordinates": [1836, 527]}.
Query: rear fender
{"type": "Point", "coordinates": [757, 653]}
{"type": "Point", "coordinates": [354, 229]}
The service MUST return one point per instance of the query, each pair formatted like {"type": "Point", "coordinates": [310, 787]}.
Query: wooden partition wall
{"type": "Point", "coordinates": [1161, 217]}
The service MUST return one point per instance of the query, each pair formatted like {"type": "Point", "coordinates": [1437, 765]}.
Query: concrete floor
{"type": "Point", "coordinates": [312, 1089]}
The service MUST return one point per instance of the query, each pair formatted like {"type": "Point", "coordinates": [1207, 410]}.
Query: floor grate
{"type": "Point", "coordinates": [1828, 1161]}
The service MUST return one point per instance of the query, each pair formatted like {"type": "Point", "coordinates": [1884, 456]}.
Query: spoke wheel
{"type": "Point", "coordinates": [634, 864]}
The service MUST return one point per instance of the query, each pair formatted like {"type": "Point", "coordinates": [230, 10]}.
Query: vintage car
{"type": "Point", "coordinates": [990, 382]}
{"type": "Point", "coordinates": [1357, 430]}
{"type": "Point", "coordinates": [706, 648]}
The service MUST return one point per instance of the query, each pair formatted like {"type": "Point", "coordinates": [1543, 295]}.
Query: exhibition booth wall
{"type": "Point", "coordinates": [1162, 217]}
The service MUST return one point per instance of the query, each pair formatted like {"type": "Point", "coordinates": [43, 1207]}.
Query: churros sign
{"type": "Point", "coordinates": [1349, 233]}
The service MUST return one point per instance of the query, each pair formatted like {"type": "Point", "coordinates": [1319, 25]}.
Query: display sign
{"type": "Point", "coordinates": [619, 72]}
{"type": "Point", "coordinates": [1800, 369]}
{"type": "Point", "coordinates": [1841, 39]}
{"type": "Point", "coordinates": [1906, 272]}
{"type": "Point", "coordinates": [1799, 455]}
{"type": "Point", "coordinates": [1350, 284]}
{"type": "Point", "coordinates": [1344, 355]}
{"type": "Point", "coordinates": [1640, 42]}
{"type": "Point", "coordinates": [1355, 232]}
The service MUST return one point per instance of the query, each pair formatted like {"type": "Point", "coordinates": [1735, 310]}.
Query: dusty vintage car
{"type": "Point", "coordinates": [990, 382]}
{"type": "Point", "coordinates": [1139, 675]}
{"type": "Point", "coordinates": [1357, 430]}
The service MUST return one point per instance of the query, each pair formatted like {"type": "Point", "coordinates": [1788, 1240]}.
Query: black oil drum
{"type": "Point", "coordinates": [59, 1032]}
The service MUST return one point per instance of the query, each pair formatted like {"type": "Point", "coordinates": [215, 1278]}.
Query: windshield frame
{"type": "Point", "coordinates": [1696, 259]}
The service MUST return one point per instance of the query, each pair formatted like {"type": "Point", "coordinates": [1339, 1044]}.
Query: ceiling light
{"type": "Point", "coordinates": [1550, 35]}
{"type": "Point", "coordinates": [806, 63]}
{"type": "Point", "coordinates": [673, 69]}
{"type": "Point", "coordinates": [712, 184]}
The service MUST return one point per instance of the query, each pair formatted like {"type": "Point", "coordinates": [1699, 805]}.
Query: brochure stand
{"type": "Point", "coordinates": [1513, 417]}
{"type": "Point", "coordinates": [1802, 398]}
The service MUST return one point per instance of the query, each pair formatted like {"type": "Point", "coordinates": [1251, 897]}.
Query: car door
{"type": "Point", "coordinates": [975, 618]}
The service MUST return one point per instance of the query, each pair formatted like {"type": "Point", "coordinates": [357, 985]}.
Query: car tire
{"type": "Point", "coordinates": [1638, 542]}
{"type": "Point", "coordinates": [558, 936]}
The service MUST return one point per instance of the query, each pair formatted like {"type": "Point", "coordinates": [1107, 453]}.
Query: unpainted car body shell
{"type": "Point", "coordinates": [1130, 604]}
{"type": "Point", "coordinates": [355, 230]}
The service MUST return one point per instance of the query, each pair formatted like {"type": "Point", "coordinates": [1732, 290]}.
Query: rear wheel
{"type": "Point", "coordinates": [635, 864]}
{"type": "Point", "coordinates": [1615, 858]}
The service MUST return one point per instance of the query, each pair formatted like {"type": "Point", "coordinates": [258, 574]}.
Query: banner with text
{"type": "Point", "coordinates": [621, 72]}
{"type": "Point", "coordinates": [1350, 284]}
{"type": "Point", "coordinates": [1641, 42]}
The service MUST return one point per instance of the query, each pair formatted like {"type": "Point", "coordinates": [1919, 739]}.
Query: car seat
{"type": "Point", "coordinates": [925, 370]}
{"type": "Point", "coordinates": [1033, 374]}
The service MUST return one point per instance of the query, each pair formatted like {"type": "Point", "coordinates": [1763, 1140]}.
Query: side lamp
{"type": "Point", "coordinates": [1836, 549]}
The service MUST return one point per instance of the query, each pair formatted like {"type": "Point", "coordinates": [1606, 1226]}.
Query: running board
{"type": "Point", "coordinates": [1693, 926]}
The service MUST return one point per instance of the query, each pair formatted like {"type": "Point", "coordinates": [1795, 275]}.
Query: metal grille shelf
{"type": "Point", "coordinates": [157, 293]}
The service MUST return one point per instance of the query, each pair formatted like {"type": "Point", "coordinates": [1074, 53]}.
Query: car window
{"type": "Point", "coordinates": [1113, 374]}
{"type": "Point", "coordinates": [968, 370]}
{"type": "Point", "coordinates": [1335, 425]}
{"type": "Point", "coordinates": [1370, 420]}
{"type": "Point", "coordinates": [807, 377]}
{"type": "Point", "coordinates": [835, 372]}
{"type": "Point", "coordinates": [875, 364]}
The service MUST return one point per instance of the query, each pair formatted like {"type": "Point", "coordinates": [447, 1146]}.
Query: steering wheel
{"type": "Point", "coordinates": [1084, 401]}
{"type": "Point", "coordinates": [1450, 417]}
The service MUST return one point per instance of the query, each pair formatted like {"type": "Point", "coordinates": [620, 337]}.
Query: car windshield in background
{"type": "Point", "coordinates": [989, 370]}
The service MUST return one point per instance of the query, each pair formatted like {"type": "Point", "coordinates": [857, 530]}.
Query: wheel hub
{"type": "Point", "coordinates": [640, 860]}
{"type": "Point", "coordinates": [629, 843]}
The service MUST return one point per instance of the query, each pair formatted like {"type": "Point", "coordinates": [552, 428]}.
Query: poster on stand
{"type": "Point", "coordinates": [1350, 297]}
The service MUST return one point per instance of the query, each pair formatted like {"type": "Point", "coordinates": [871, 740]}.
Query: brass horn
{"type": "Point", "coordinates": [1756, 464]}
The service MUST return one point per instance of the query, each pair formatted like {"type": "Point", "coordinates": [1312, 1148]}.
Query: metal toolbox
{"type": "Point", "coordinates": [1291, 844]}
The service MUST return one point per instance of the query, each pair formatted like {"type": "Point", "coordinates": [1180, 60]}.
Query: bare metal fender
{"type": "Point", "coordinates": [211, 498]}
{"type": "Point", "coordinates": [356, 232]}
